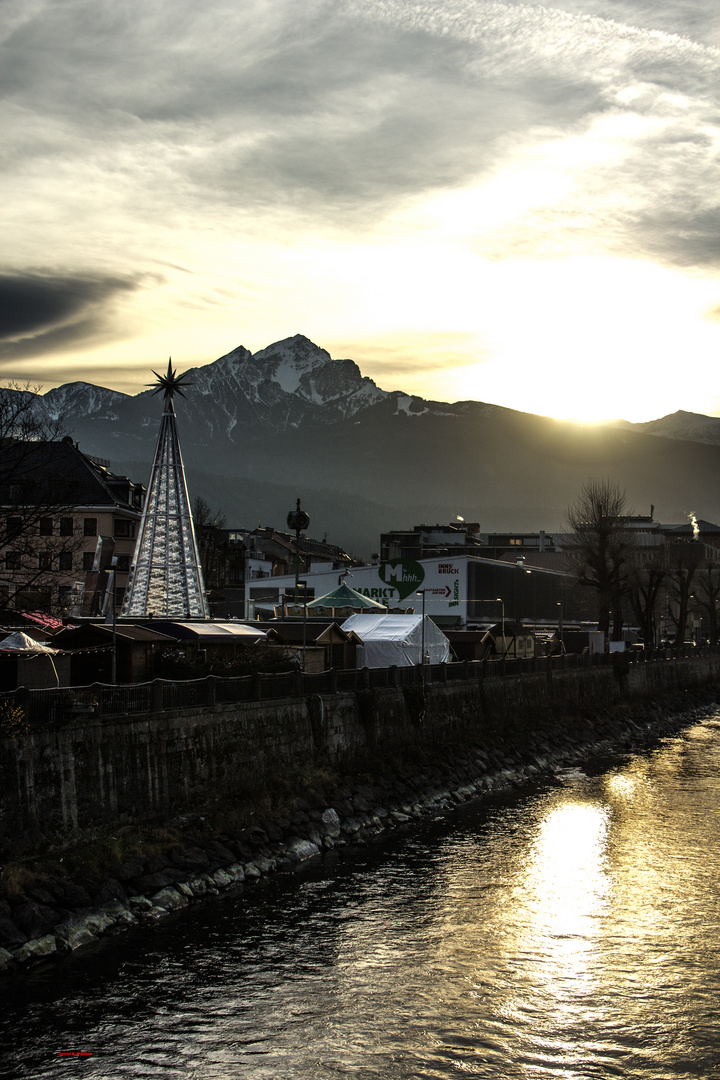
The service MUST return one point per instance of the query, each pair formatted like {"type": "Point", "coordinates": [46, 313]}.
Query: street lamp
{"type": "Point", "coordinates": [113, 596]}
{"type": "Point", "coordinates": [421, 592]}
{"type": "Point", "coordinates": [560, 626]}
{"type": "Point", "coordinates": [304, 588]}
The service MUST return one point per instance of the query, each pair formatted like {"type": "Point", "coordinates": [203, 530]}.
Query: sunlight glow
{"type": "Point", "coordinates": [567, 877]}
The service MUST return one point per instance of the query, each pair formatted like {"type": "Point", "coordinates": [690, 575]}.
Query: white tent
{"type": "Point", "coordinates": [25, 645]}
{"type": "Point", "coordinates": [389, 640]}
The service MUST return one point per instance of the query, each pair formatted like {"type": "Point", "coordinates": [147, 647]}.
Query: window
{"type": "Point", "coordinates": [515, 542]}
{"type": "Point", "coordinates": [89, 526]}
{"type": "Point", "coordinates": [66, 526]}
{"type": "Point", "coordinates": [13, 560]}
{"type": "Point", "coordinates": [124, 528]}
{"type": "Point", "coordinates": [46, 526]}
{"type": "Point", "coordinates": [123, 564]}
{"type": "Point", "coordinates": [88, 560]}
{"type": "Point", "coordinates": [65, 560]}
{"type": "Point", "coordinates": [45, 560]}
{"type": "Point", "coordinates": [13, 527]}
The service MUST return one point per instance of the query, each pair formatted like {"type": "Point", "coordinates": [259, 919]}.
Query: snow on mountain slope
{"type": "Point", "coordinates": [81, 398]}
{"type": "Point", "coordinates": [290, 383]}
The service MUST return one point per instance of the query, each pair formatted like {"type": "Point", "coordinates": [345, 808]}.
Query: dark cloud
{"type": "Point", "coordinates": [44, 313]}
{"type": "Point", "coordinates": [686, 239]}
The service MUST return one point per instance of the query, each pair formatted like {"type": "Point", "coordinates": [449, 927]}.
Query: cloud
{"type": "Point", "coordinates": [329, 112]}
{"type": "Point", "coordinates": [307, 161]}
{"type": "Point", "coordinates": [45, 313]}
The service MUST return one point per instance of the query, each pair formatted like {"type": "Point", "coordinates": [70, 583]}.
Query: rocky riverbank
{"type": "Point", "coordinates": [61, 914]}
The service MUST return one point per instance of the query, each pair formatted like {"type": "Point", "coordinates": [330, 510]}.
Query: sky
{"type": "Point", "coordinates": [513, 203]}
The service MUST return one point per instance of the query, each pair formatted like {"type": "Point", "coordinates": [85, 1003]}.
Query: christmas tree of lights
{"type": "Point", "coordinates": [166, 578]}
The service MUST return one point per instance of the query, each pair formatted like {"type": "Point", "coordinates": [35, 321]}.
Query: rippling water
{"type": "Point", "coordinates": [568, 932]}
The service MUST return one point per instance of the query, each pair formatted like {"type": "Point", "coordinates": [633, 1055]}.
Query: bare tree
{"type": "Point", "coordinates": [598, 548]}
{"type": "Point", "coordinates": [647, 571]}
{"type": "Point", "coordinates": [685, 559]}
{"type": "Point", "coordinates": [707, 594]}
{"type": "Point", "coordinates": [209, 530]}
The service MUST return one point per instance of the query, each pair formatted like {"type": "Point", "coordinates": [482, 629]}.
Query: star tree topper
{"type": "Point", "coordinates": [171, 383]}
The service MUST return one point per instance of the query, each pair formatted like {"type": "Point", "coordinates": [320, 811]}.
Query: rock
{"type": "Point", "coordinates": [34, 919]}
{"type": "Point", "coordinates": [150, 883]}
{"type": "Point", "coordinates": [114, 908]}
{"type": "Point", "coordinates": [219, 852]}
{"type": "Point", "coordinates": [221, 879]}
{"type": "Point", "coordinates": [42, 896]}
{"type": "Point", "coordinates": [134, 867]}
{"type": "Point", "coordinates": [111, 889]}
{"type": "Point", "coordinates": [273, 831]}
{"type": "Point", "coordinates": [140, 903]}
{"type": "Point", "coordinates": [299, 850]}
{"type": "Point", "coordinates": [170, 899]}
{"type": "Point", "coordinates": [192, 858]}
{"type": "Point", "coordinates": [10, 934]}
{"type": "Point", "coordinates": [124, 919]}
{"type": "Point", "coordinates": [254, 836]}
{"type": "Point", "coordinates": [6, 960]}
{"type": "Point", "coordinates": [265, 865]}
{"type": "Point", "coordinates": [236, 872]}
{"type": "Point", "coordinates": [156, 913]}
{"type": "Point", "coordinates": [155, 863]}
{"type": "Point", "coordinates": [185, 889]}
{"type": "Point", "coordinates": [36, 948]}
{"type": "Point", "coordinates": [331, 822]}
{"type": "Point", "coordinates": [74, 895]}
{"type": "Point", "coordinates": [80, 930]}
{"type": "Point", "coordinates": [252, 873]}
{"type": "Point", "coordinates": [198, 886]}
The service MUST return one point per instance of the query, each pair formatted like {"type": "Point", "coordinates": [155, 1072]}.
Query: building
{"type": "Point", "coordinates": [460, 591]}
{"type": "Point", "coordinates": [425, 541]}
{"type": "Point", "coordinates": [65, 515]}
{"type": "Point", "coordinates": [234, 558]}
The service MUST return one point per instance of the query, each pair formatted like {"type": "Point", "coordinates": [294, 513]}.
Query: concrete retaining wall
{"type": "Point", "coordinates": [65, 778]}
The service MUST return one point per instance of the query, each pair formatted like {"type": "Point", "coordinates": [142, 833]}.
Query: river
{"type": "Point", "coordinates": [566, 931]}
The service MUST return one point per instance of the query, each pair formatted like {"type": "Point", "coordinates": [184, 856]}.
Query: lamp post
{"type": "Point", "coordinates": [421, 592]}
{"type": "Point", "coordinates": [560, 626]}
{"type": "Point", "coordinates": [304, 588]}
{"type": "Point", "coordinates": [113, 670]}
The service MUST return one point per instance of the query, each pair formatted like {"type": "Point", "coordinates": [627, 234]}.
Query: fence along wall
{"type": "Point", "coordinates": [66, 777]}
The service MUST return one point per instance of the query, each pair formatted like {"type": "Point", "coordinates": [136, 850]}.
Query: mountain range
{"type": "Point", "coordinates": [260, 430]}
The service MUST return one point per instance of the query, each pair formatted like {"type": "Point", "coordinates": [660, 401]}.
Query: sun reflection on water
{"type": "Point", "coordinates": [567, 882]}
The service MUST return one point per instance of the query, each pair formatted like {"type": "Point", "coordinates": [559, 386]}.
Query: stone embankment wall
{"type": "Point", "coordinates": [478, 738]}
{"type": "Point", "coordinates": [65, 778]}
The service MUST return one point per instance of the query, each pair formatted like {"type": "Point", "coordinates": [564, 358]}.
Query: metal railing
{"type": "Point", "coordinates": [162, 695]}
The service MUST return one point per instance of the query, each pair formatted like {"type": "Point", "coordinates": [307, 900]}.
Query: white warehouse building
{"type": "Point", "coordinates": [453, 590]}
